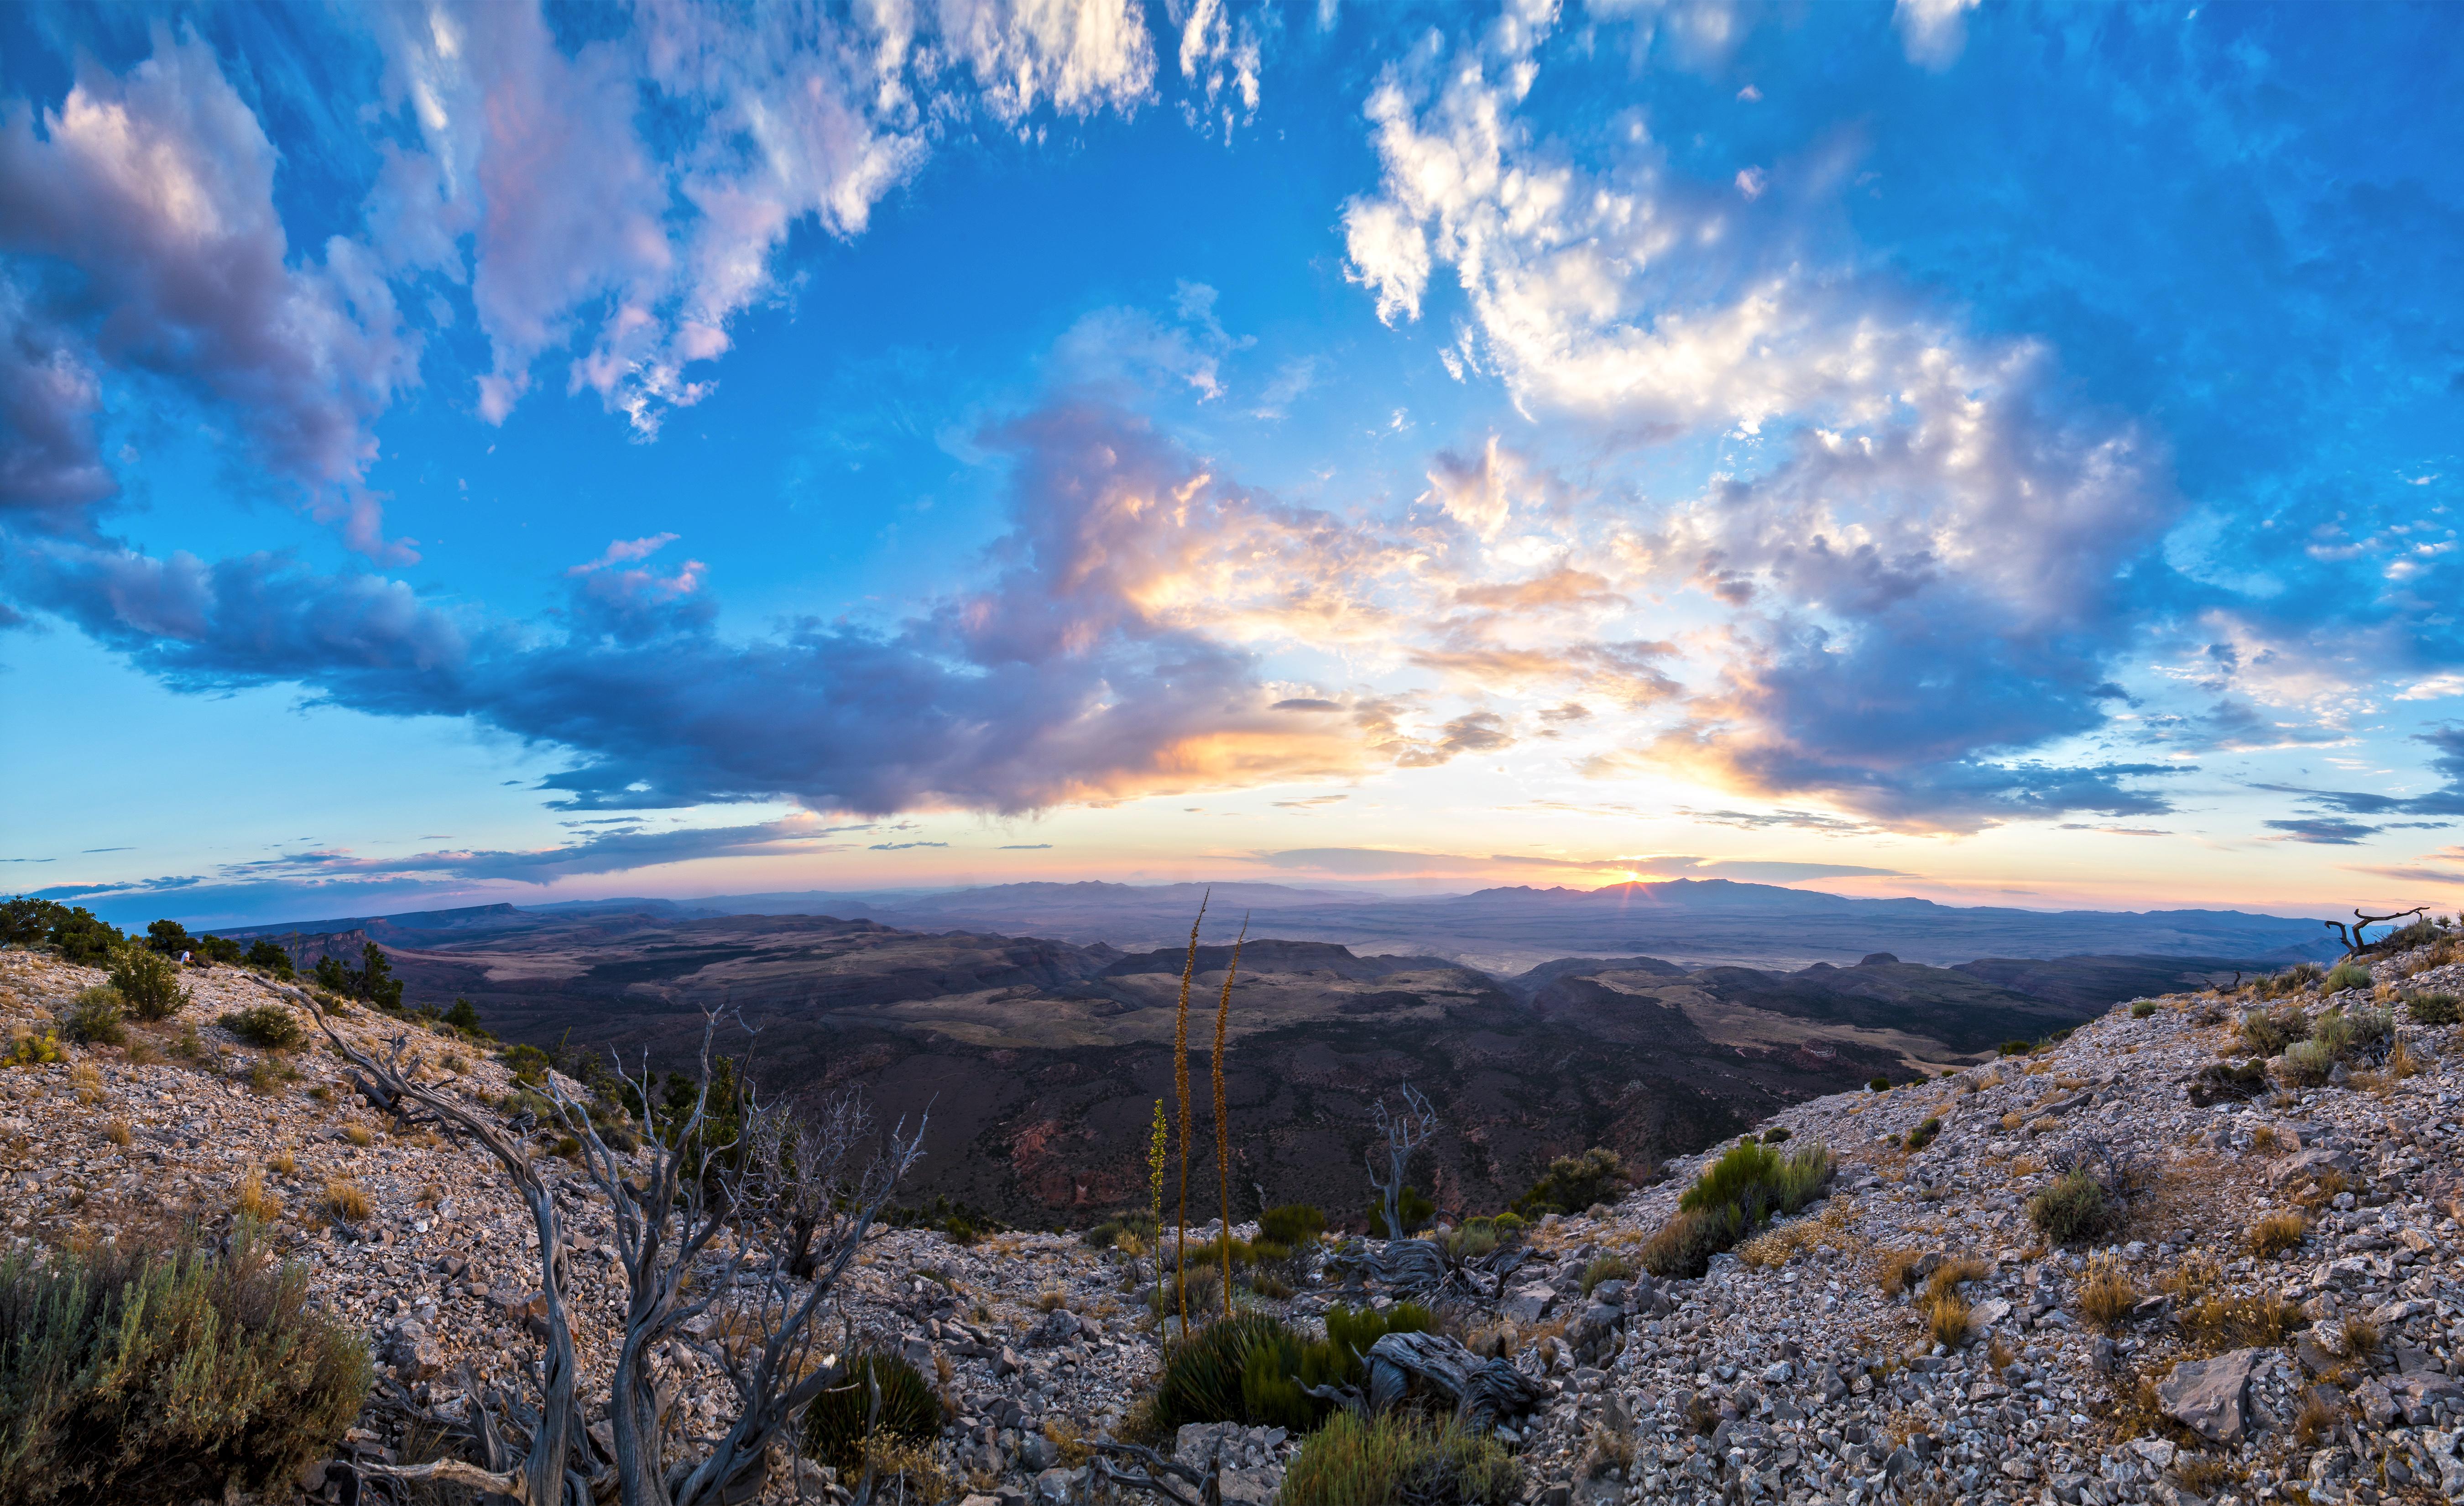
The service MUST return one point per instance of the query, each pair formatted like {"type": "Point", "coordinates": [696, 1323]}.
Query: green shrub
{"type": "Point", "coordinates": [2141, 1008]}
{"type": "Point", "coordinates": [1775, 1134]}
{"type": "Point", "coordinates": [1880, 1084]}
{"type": "Point", "coordinates": [834, 1424]}
{"type": "Point", "coordinates": [1107, 1235]}
{"type": "Point", "coordinates": [1923, 1134]}
{"type": "Point", "coordinates": [168, 937]}
{"type": "Point", "coordinates": [2014, 1047]}
{"type": "Point", "coordinates": [269, 1026]}
{"type": "Point", "coordinates": [1251, 1368]}
{"type": "Point", "coordinates": [1477, 1237]}
{"type": "Point", "coordinates": [1734, 1196]}
{"type": "Point", "coordinates": [1605, 1268]}
{"type": "Point", "coordinates": [1573, 1184]}
{"type": "Point", "coordinates": [2307, 1063]}
{"type": "Point", "coordinates": [1292, 1224]}
{"type": "Point", "coordinates": [2344, 976]}
{"type": "Point", "coordinates": [1508, 1224]}
{"type": "Point", "coordinates": [2076, 1207]}
{"type": "Point", "coordinates": [2347, 1033]}
{"type": "Point", "coordinates": [97, 1018]}
{"type": "Point", "coordinates": [2300, 978]}
{"type": "Point", "coordinates": [154, 1377]}
{"type": "Point", "coordinates": [28, 1049]}
{"type": "Point", "coordinates": [150, 983]}
{"type": "Point", "coordinates": [1416, 1210]}
{"type": "Point", "coordinates": [2431, 1008]}
{"type": "Point", "coordinates": [1400, 1456]}
{"type": "Point", "coordinates": [268, 957]}
{"type": "Point", "coordinates": [527, 1062]}
{"type": "Point", "coordinates": [2269, 1032]}
{"type": "Point", "coordinates": [1237, 1369]}
{"type": "Point", "coordinates": [219, 949]}
{"type": "Point", "coordinates": [464, 1017]}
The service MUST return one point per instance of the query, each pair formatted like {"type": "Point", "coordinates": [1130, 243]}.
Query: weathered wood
{"type": "Point", "coordinates": [1483, 1391]}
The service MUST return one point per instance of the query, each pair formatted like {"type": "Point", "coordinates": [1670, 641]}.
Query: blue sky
{"type": "Point", "coordinates": [1989, 452]}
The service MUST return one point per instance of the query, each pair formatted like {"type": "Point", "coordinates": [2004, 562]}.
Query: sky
{"type": "Point", "coordinates": [2004, 454]}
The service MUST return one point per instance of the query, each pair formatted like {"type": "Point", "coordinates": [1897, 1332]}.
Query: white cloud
{"type": "Point", "coordinates": [1933, 31]}
{"type": "Point", "coordinates": [157, 186]}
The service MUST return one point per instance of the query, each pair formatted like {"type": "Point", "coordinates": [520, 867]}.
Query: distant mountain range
{"type": "Point", "coordinates": [1694, 922]}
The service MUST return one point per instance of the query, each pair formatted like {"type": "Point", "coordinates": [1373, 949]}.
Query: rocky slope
{"type": "Point", "coordinates": [2169, 1362]}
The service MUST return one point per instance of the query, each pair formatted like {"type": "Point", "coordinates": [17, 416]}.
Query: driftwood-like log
{"type": "Point", "coordinates": [1481, 1392]}
{"type": "Point", "coordinates": [1150, 1472]}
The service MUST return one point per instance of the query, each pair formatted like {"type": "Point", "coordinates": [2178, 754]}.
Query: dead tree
{"type": "Point", "coordinates": [1404, 1133]}
{"type": "Point", "coordinates": [808, 1148]}
{"type": "Point", "coordinates": [704, 1216]}
{"type": "Point", "coordinates": [2351, 937]}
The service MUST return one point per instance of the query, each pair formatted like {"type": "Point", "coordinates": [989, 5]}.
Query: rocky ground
{"type": "Point", "coordinates": [1802, 1368]}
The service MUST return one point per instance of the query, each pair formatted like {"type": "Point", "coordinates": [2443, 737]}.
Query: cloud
{"type": "Point", "coordinates": [2448, 800]}
{"type": "Point", "coordinates": [1936, 552]}
{"type": "Point", "coordinates": [1311, 802]}
{"type": "Point", "coordinates": [140, 221]}
{"type": "Point", "coordinates": [1933, 31]}
{"type": "Point", "coordinates": [1026, 847]}
{"type": "Point", "coordinates": [901, 847]}
{"type": "Point", "coordinates": [1066, 675]}
{"type": "Point", "coordinates": [1799, 820]}
{"type": "Point", "coordinates": [303, 874]}
{"type": "Point", "coordinates": [765, 117]}
{"type": "Point", "coordinates": [1306, 703]}
{"type": "Point", "coordinates": [2325, 830]}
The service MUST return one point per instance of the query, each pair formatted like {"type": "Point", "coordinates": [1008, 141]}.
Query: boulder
{"type": "Point", "coordinates": [2211, 1397]}
{"type": "Point", "coordinates": [1527, 1305]}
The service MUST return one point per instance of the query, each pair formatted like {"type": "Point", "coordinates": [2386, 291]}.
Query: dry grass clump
{"type": "Point", "coordinates": [2204, 1473]}
{"type": "Point", "coordinates": [2265, 1140]}
{"type": "Point", "coordinates": [347, 1201]}
{"type": "Point", "coordinates": [359, 1134]}
{"type": "Point", "coordinates": [2214, 1319]}
{"type": "Point", "coordinates": [1070, 1440]}
{"type": "Point", "coordinates": [254, 1202]}
{"type": "Point", "coordinates": [1783, 1243]}
{"type": "Point", "coordinates": [2322, 1190]}
{"type": "Point", "coordinates": [1947, 1313]}
{"type": "Point", "coordinates": [118, 1132]}
{"type": "Point", "coordinates": [1895, 1271]}
{"type": "Point", "coordinates": [2108, 1295]}
{"type": "Point", "coordinates": [2278, 1232]}
{"type": "Point", "coordinates": [1051, 1300]}
{"type": "Point", "coordinates": [283, 1164]}
{"type": "Point", "coordinates": [2317, 1419]}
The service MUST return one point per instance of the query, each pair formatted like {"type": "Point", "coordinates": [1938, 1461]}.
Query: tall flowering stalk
{"type": "Point", "coordinates": [1180, 1090]}
{"type": "Point", "coordinates": [1223, 1135]}
{"type": "Point", "coordinates": [1158, 1150]}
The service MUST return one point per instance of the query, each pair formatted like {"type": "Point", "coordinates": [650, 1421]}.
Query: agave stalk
{"type": "Point", "coordinates": [1180, 1090]}
{"type": "Point", "coordinates": [1223, 1135]}
{"type": "Point", "coordinates": [1159, 1151]}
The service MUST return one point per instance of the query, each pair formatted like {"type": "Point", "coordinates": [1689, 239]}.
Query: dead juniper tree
{"type": "Point", "coordinates": [1409, 1264]}
{"type": "Point", "coordinates": [2351, 936]}
{"type": "Point", "coordinates": [705, 1216]}
{"type": "Point", "coordinates": [1404, 1133]}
